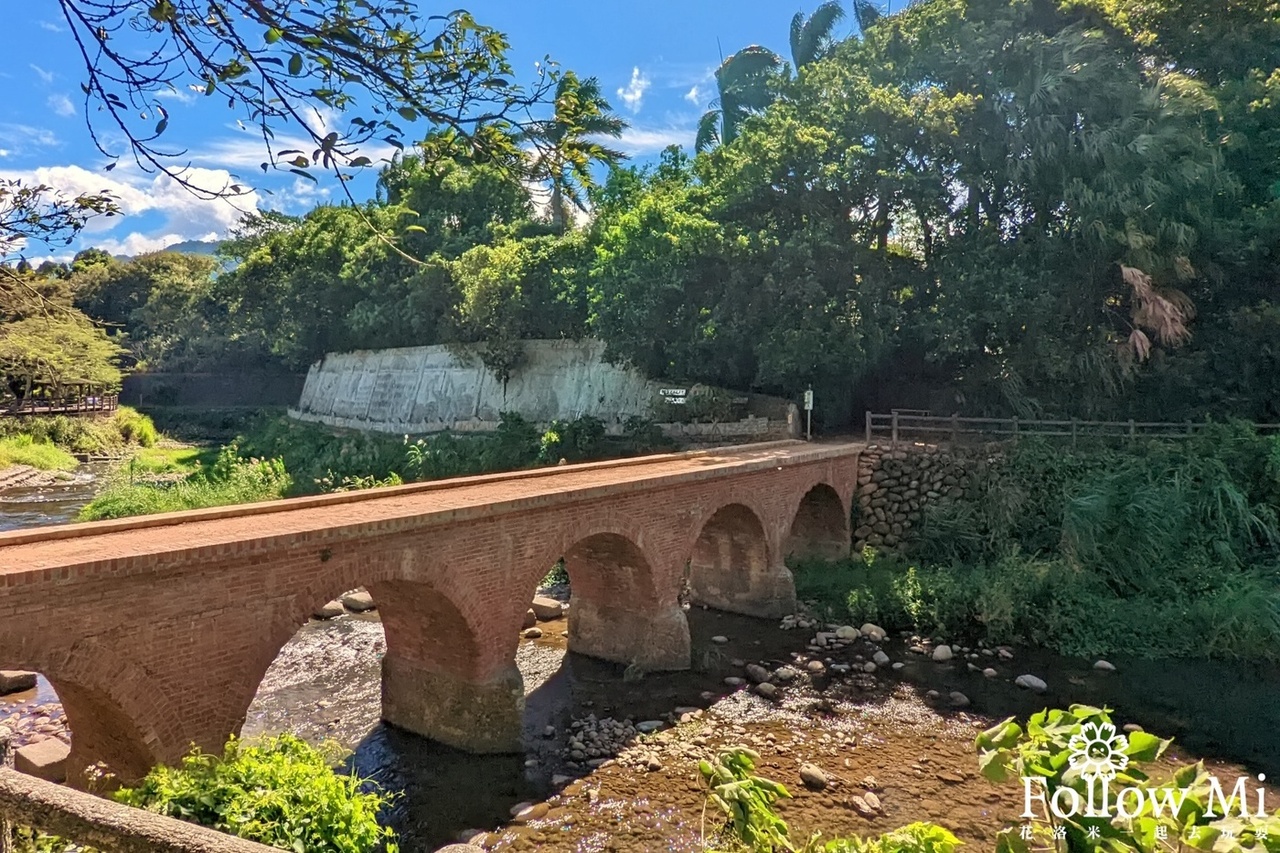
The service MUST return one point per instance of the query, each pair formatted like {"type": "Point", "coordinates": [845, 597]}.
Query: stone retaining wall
{"type": "Point", "coordinates": [895, 484]}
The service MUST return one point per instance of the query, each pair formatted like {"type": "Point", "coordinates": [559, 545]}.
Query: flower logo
{"type": "Point", "coordinates": [1098, 751]}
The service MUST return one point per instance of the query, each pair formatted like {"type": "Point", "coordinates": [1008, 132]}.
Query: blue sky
{"type": "Point", "coordinates": [654, 60]}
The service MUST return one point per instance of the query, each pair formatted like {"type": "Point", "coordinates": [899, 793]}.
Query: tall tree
{"type": "Point", "coordinates": [813, 37]}
{"type": "Point", "coordinates": [569, 143]}
{"type": "Point", "coordinates": [746, 84]}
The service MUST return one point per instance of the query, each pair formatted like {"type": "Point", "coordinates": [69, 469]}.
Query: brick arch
{"type": "Point", "coordinates": [819, 526]}
{"type": "Point", "coordinates": [623, 603]}
{"type": "Point", "coordinates": [728, 559]}
{"type": "Point", "coordinates": [114, 709]}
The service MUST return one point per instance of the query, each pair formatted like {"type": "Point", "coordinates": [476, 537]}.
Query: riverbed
{"type": "Point", "coordinates": [885, 725]}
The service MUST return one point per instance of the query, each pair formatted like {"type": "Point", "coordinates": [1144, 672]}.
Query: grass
{"type": "Point", "coordinates": [24, 450]}
{"type": "Point", "coordinates": [170, 460]}
{"type": "Point", "coordinates": [226, 481]}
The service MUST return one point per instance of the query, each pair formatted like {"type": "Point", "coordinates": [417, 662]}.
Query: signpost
{"type": "Point", "coordinates": [808, 413]}
{"type": "Point", "coordinates": [675, 396]}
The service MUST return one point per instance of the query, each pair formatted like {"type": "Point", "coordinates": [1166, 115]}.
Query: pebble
{"type": "Point", "coordinates": [873, 632]}
{"type": "Point", "coordinates": [813, 776]}
{"type": "Point", "coordinates": [719, 640]}
{"type": "Point", "coordinates": [767, 690]}
{"type": "Point", "coordinates": [734, 681]}
{"type": "Point", "coordinates": [532, 812]}
{"type": "Point", "coordinates": [868, 667]}
{"type": "Point", "coordinates": [898, 665]}
{"type": "Point", "coordinates": [880, 658]}
{"type": "Point", "coordinates": [785, 674]}
{"type": "Point", "coordinates": [942, 653]}
{"type": "Point", "coordinates": [1030, 682]}
{"type": "Point", "coordinates": [531, 633]}
{"type": "Point", "coordinates": [1130, 728]}
{"type": "Point", "coordinates": [959, 700]}
{"type": "Point", "coordinates": [872, 800]}
{"type": "Point", "coordinates": [847, 632]}
{"type": "Point", "coordinates": [862, 807]}
{"type": "Point", "coordinates": [649, 726]}
{"type": "Point", "coordinates": [1104, 666]}
{"type": "Point", "coordinates": [816, 666]}
{"type": "Point", "coordinates": [654, 764]}
{"type": "Point", "coordinates": [757, 673]}
{"type": "Point", "coordinates": [990, 673]}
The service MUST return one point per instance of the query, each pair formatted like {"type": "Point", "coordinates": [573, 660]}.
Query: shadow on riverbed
{"type": "Point", "coordinates": [1214, 709]}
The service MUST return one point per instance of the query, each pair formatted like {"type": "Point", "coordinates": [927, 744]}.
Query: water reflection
{"type": "Point", "coordinates": [39, 506]}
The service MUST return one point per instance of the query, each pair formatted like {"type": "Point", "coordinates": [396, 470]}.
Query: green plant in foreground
{"type": "Point", "coordinates": [1065, 760]}
{"type": "Point", "coordinates": [281, 792]}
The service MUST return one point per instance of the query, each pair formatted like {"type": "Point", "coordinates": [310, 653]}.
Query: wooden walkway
{"type": "Point", "coordinates": [81, 406]}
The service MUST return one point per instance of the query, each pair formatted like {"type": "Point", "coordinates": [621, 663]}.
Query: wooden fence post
{"type": "Point", "coordinates": [894, 441]}
{"type": "Point", "coordinates": [1133, 433]}
{"type": "Point", "coordinates": [1073, 433]}
{"type": "Point", "coordinates": [868, 426]}
{"type": "Point", "coordinates": [955, 427]}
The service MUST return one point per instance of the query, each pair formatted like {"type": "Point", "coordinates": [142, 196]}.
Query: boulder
{"type": "Point", "coordinates": [1030, 682]}
{"type": "Point", "coordinates": [757, 673]}
{"type": "Point", "coordinates": [942, 653]}
{"type": "Point", "coordinates": [15, 680]}
{"type": "Point", "coordinates": [880, 658]}
{"type": "Point", "coordinates": [358, 602]}
{"type": "Point", "coordinates": [768, 690]}
{"type": "Point", "coordinates": [531, 633]}
{"type": "Point", "coordinates": [330, 610]}
{"type": "Point", "coordinates": [530, 619]}
{"type": "Point", "coordinates": [45, 760]}
{"type": "Point", "coordinates": [546, 609]}
{"type": "Point", "coordinates": [813, 776]}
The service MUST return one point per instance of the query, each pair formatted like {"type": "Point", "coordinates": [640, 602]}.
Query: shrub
{"type": "Point", "coordinates": [281, 792]}
{"type": "Point", "coordinates": [24, 450]}
{"type": "Point", "coordinates": [134, 427]}
{"type": "Point", "coordinates": [229, 480]}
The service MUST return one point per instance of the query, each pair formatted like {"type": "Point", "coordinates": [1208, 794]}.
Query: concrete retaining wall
{"type": "Point", "coordinates": [431, 389]}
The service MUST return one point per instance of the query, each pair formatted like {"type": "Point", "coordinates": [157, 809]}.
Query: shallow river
{"type": "Point", "coordinates": [40, 506]}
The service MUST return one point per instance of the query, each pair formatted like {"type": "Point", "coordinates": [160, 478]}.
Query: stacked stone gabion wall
{"type": "Point", "coordinates": [895, 484]}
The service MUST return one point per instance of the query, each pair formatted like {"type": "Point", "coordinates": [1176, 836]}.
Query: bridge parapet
{"type": "Point", "coordinates": [157, 632]}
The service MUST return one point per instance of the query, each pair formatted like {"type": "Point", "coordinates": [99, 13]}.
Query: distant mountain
{"type": "Point", "coordinates": [186, 247]}
{"type": "Point", "coordinates": [195, 247]}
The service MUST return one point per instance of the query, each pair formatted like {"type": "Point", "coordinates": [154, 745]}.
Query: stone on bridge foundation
{"type": "Point", "coordinates": [767, 594]}
{"type": "Point", "coordinates": [476, 716]}
{"type": "Point", "coordinates": [652, 640]}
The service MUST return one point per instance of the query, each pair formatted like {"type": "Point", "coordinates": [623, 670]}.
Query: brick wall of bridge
{"type": "Point", "coordinates": [154, 646]}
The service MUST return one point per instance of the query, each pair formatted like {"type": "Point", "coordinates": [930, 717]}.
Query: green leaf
{"type": "Point", "coordinates": [273, 35]}
{"type": "Point", "coordinates": [1144, 746]}
{"type": "Point", "coordinates": [408, 113]}
{"type": "Point", "coordinates": [295, 64]}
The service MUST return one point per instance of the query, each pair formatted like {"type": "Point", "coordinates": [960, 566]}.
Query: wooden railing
{"type": "Point", "coordinates": [69, 406]}
{"type": "Point", "coordinates": [902, 424]}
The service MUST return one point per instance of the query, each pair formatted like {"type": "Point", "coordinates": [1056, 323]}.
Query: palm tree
{"type": "Point", "coordinates": [568, 144]}
{"type": "Point", "coordinates": [812, 38]}
{"type": "Point", "coordinates": [867, 14]}
{"type": "Point", "coordinates": [744, 82]}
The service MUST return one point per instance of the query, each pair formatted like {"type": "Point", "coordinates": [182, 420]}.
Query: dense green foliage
{"type": "Point", "coordinates": [281, 792]}
{"type": "Point", "coordinates": [1171, 550]}
{"type": "Point", "coordinates": [1182, 809]}
{"type": "Point", "coordinates": [110, 436]}
{"type": "Point", "coordinates": [229, 480]}
{"type": "Point", "coordinates": [278, 457]}
{"type": "Point", "coordinates": [24, 450]}
{"type": "Point", "coordinates": [1006, 205]}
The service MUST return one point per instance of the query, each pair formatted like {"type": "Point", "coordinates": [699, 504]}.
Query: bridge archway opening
{"type": "Point", "coordinates": [730, 566]}
{"type": "Point", "coordinates": [322, 679]}
{"type": "Point", "coordinates": [820, 528]}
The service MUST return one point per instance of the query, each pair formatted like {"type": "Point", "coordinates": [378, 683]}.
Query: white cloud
{"type": "Point", "coordinates": [172, 94]}
{"type": "Point", "coordinates": [641, 140]}
{"type": "Point", "coordinates": [46, 76]}
{"type": "Point", "coordinates": [140, 244]}
{"type": "Point", "coordinates": [50, 26]}
{"type": "Point", "coordinates": [5, 152]}
{"type": "Point", "coordinates": [694, 95]}
{"type": "Point", "coordinates": [21, 138]}
{"type": "Point", "coordinates": [61, 105]}
{"type": "Point", "coordinates": [633, 93]}
{"type": "Point", "coordinates": [184, 215]}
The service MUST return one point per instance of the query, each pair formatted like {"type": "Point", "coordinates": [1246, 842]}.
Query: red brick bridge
{"type": "Point", "coordinates": [156, 632]}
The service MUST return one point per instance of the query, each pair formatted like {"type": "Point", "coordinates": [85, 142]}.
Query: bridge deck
{"type": "Point", "coordinates": [443, 501]}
